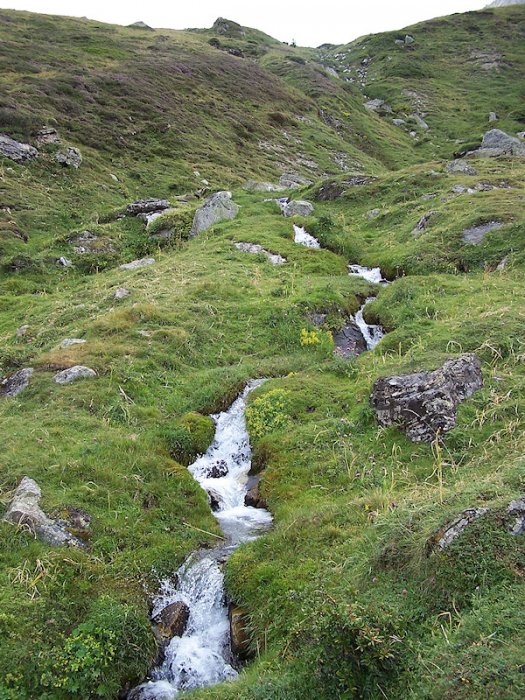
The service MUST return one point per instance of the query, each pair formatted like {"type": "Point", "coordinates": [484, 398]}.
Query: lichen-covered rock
{"type": "Point", "coordinates": [14, 150]}
{"type": "Point", "coordinates": [24, 511]}
{"type": "Point", "coordinates": [70, 157]}
{"type": "Point", "coordinates": [497, 143]}
{"type": "Point", "coordinates": [219, 207]}
{"type": "Point", "coordinates": [255, 249]}
{"type": "Point", "coordinates": [171, 621]}
{"type": "Point", "coordinates": [15, 383]}
{"type": "Point", "coordinates": [73, 374]}
{"type": "Point", "coordinates": [460, 167]}
{"type": "Point", "coordinates": [136, 264]}
{"type": "Point", "coordinates": [424, 404]}
{"type": "Point", "coordinates": [291, 181]}
{"type": "Point", "coordinates": [298, 207]}
{"type": "Point", "coordinates": [423, 223]}
{"type": "Point", "coordinates": [147, 206]}
{"type": "Point", "coordinates": [516, 510]}
{"type": "Point", "coordinates": [447, 534]}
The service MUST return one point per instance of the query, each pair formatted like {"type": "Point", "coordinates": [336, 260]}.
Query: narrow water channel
{"type": "Point", "coordinates": [202, 655]}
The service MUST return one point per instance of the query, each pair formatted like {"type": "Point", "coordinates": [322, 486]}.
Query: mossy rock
{"type": "Point", "coordinates": [190, 436]}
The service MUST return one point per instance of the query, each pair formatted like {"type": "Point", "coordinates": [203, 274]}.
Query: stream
{"type": "Point", "coordinates": [202, 655]}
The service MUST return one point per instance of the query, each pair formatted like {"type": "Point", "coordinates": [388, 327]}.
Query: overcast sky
{"type": "Point", "coordinates": [309, 23]}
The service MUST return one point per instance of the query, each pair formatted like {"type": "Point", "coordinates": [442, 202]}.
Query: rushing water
{"type": "Point", "coordinates": [371, 333]}
{"type": "Point", "coordinates": [304, 238]}
{"type": "Point", "coordinates": [202, 655]}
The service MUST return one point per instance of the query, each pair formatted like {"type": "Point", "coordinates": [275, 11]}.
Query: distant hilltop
{"type": "Point", "coordinates": [503, 3]}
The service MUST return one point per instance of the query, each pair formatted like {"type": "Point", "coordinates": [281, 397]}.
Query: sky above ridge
{"type": "Point", "coordinates": [306, 22]}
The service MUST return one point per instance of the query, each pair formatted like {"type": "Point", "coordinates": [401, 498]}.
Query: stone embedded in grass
{"type": "Point", "coordinates": [24, 511]}
{"type": "Point", "coordinates": [121, 293]}
{"type": "Point", "coordinates": [70, 157]}
{"type": "Point", "coordinates": [398, 122]}
{"type": "Point", "coordinates": [420, 122]}
{"type": "Point", "coordinates": [423, 223]}
{"type": "Point", "coordinates": [460, 167]}
{"type": "Point", "coordinates": [292, 181]}
{"type": "Point", "coordinates": [240, 640]}
{"type": "Point", "coordinates": [476, 234]}
{"type": "Point", "coordinates": [516, 509]}
{"type": "Point", "coordinates": [298, 207]}
{"type": "Point", "coordinates": [447, 534]}
{"type": "Point", "coordinates": [373, 213]}
{"type": "Point", "coordinates": [64, 262]}
{"type": "Point", "coordinates": [379, 106]}
{"type": "Point", "coordinates": [137, 264]}
{"type": "Point", "coordinates": [219, 207]}
{"type": "Point", "coordinates": [424, 404]}
{"type": "Point", "coordinates": [255, 249]}
{"type": "Point", "coordinates": [14, 150]}
{"type": "Point", "coordinates": [15, 383]}
{"type": "Point", "coordinates": [349, 341]}
{"type": "Point", "coordinates": [497, 143]}
{"type": "Point", "coordinates": [67, 376]}
{"type": "Point", "coordinates": [255, 186]}
{"type": "Point", "coordinates": [69, 342]}
{"type": "Point", "coordinates": [493, 117]}
{"type": "Point", "coordinates": [20, 332]}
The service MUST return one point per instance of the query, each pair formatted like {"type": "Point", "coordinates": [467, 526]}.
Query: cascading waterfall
{"type": "Point", "coordinates": [302, 237]}
{"type": "Point", "coordinates": [202, 655]}
{"type": "Point", "coordinates": [371, 333]}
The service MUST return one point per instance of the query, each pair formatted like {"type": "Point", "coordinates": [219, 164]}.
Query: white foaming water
{"type": "Point", "coordinates": [304, 238]}
{"type": "Point", "coordinates": [371, 333]}
{"type": "Point", "coordinates": [371, 274]}
{"type": "Point", "coordinates": [202, 655]}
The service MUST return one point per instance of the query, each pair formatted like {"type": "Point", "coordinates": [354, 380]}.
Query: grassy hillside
{"type": "Point", "coordinates": [343, 597]}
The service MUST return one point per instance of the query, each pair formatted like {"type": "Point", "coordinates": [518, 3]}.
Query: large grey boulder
{"type": "Point", "coordinates": [69, 158]}
{"type": "Point", "coordinates": [460, 167]}
{"type": "Point", "coordinates": [73, 374]}
{"type": "Point", "coordinates": [19, 152]}
{"type": "Point", "coordinates": [147, 206]}
{"type": "Point", "coordinates": [24, 511]}
{"type": "Point", "coordinates": [136, 264]}
{"type": "Point", "coordinates": [15, 383]}
{"type": "Point", "coordinates": [298, 207]}
{"type": "Point", "coordinates": [424, 404]}
{"type": "Point", "coordinates": [497, 143]}
{"type": "Point", "coordinates": [219, 207]}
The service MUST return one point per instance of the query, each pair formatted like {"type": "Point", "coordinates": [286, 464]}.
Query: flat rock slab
{"type": "Point", "coordinates": [16, 151]}
{"type": "Point", "coordinates": [424, 404]}
{"type": "Point", "coordinates": [255, 186]}
{"type": "Point", "coordinates": [146, 206]}
{"type": "Point", "coordinates": [349, 342]}
{"type": "Point", "coordinates": [516, 511]}
{"type": "Point", "coordinates": [121, 293]}
{"type": "Point", "coordinates": [15, 383]}
{"type": "Point", "coordinates": [219, 207]}
{"type": "Point", "coordinates": [460, 167]}
{"type": "Point", "coordinates": [67, 376]}
{"type": "Point", "coordinates": [447, 534]}
{"type": "Point", "coordinates": [137, 264]}
{"type": "Point", "coordinates": [297, 207]}
{"type": "Point", "coordinates": [24, 511]}
{"type": "Point", "coordinates": [476, 234]}
{"type": "Point", "coordinates": [70, 342]}
{"type": "Point", "coordinates": [256, 249]}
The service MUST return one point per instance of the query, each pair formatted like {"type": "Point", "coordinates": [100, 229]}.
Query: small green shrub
{"type": "Point", "coordinates": [178, 222]}
{"type": "Point", "coordinates": [189, 437]}
{"type": "Point", "coordinates": [268, 413]}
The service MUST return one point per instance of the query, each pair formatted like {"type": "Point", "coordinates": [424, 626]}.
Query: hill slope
{"type": "Point", "coordinates": [347, 595]}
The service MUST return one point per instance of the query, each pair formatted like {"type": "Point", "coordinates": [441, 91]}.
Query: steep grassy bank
{"type": "Point", "coordinates": [343, 596]}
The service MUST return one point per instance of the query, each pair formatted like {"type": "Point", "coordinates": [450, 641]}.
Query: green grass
{"type": "Point", "coordinates": [342, 595]}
